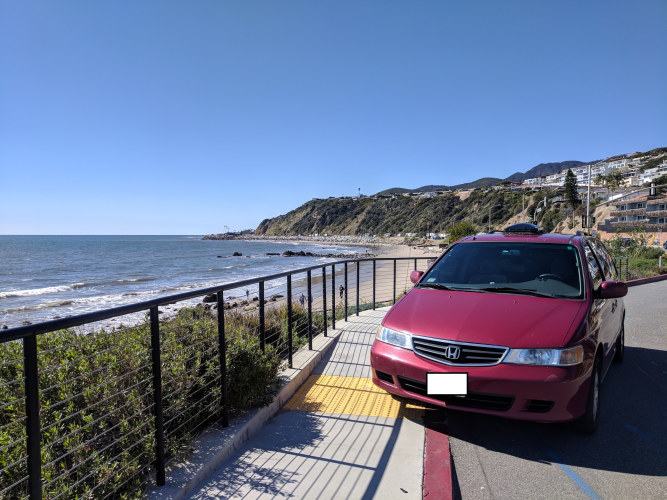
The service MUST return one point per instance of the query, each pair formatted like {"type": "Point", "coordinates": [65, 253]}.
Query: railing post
{"type": "Point", "coordinates": [394, 301]}
{"type": "Point", "coordinates": [310, 310]}
{"type": "Point", "coordinates": [262, 318]}
{"type": "Point", "coordinates": [333, 296]}
{"type": "Point", "coordinates": [222, 352]}
{"type": "Point", "coordinates": [289, 318]}
{"type": "Point", "coordinates": [374, 261]}
{"type": "Point", "coordinates": [157, 396]}
{"type": "Point", "coordinates": [346, 287]}
{"type": "Point", "coordinates": [33, 432]}
{"type": "Point", "coordinates": [358, 271]}
{"type": "Point", "coordinates": [415, 264]}
{"type": "Point", "coordinates": [324, 299]}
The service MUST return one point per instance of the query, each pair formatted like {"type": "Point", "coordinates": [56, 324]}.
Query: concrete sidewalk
{"type": "Point", "coordinates": [337, 436]}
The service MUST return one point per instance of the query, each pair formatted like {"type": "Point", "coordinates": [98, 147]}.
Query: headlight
{"type": "Point", "coordinates": [546, 357]}
{"type": "Point", "coordinates": [399, 339]}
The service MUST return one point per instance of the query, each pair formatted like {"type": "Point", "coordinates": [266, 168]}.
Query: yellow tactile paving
{"type": "Point", "coordinates": [350, 396]}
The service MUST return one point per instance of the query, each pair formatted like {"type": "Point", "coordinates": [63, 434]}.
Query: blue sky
{"type": "Point", "coordinates": [162, 117]}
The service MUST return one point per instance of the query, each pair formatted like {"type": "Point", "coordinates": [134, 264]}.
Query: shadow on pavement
{"type": "Point", "coordinates": [631, 437]}
{"type": "Point", "coordinates": [309, 455]}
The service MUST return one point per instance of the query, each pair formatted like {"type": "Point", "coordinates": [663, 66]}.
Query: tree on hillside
{"type": "Point", "coordinates": [661, 182]}
{"type": "Point", "coordinates": [460, 230]}
{"type": "Point", "coordinates": [600, 180]}
{"type": "Point", "coordinates": [610, 181]}
{"type": "Point", "coordinates": [614, 180]}
{"type": "Point", "coordinates": [571, 194]}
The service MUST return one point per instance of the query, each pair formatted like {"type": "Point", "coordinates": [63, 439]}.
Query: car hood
{"type": "Point", "coordinates": [487, 318]}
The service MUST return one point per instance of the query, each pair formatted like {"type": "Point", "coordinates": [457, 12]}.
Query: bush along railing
{"type": "Point", "coordinates": [93, 406]}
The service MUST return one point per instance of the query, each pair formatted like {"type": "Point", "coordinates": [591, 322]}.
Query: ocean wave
{"type": "Point", "coordinates": [46, 305]}
{"type": "Point", "coordinates": [103, 301]}
{"type": "Point", "coordinates": [135, 280]}
{"type": "Point", "coordinates": [42, 291]}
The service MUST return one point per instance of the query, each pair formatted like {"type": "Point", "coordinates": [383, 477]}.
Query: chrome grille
{"type": "Point", "coordinates": [457, 353]}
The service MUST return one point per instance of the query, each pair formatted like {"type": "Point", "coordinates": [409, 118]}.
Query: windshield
{"type": "Point", "coordinates": [540, 269]}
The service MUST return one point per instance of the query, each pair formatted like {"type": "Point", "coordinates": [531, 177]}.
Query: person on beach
{"type": "Point", "coordinates": [341, 290]}
{"type": "Point", "coordinates": [302, 299]}
{"type": "Point", "coordinates": [247, 294]}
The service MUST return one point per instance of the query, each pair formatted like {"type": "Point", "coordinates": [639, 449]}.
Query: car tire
{"type": "Point", "coordinates": [588, 422]}
{"type": "Point", "coordinates": [620, 346]}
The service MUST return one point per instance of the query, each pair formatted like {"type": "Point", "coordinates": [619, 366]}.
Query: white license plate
{"type": "Point", "coordinates": [452, 384]}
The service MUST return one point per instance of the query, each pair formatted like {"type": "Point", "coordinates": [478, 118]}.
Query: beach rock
{"type": "Point", "coordinates": [5, 327]}
{"type": "Point", "coordinates": [237, 254]}
{"type": "Point", "coordinates": [272, 253]}
{"type": "Point", "coordinates": [291, 253]}
{"type": "Point", "coordinates": [220, 257]}
{"type": "Point", "coordinates": [211, 297]}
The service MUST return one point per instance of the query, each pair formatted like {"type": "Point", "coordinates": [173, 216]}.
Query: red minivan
{"type": "Point", "coordinates": [521, 324]}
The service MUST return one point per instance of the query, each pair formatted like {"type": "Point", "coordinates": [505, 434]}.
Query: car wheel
{"type": "Point", "coordinates": [620, 346]}
{"type": "Point", "coordinates": [588, 422]}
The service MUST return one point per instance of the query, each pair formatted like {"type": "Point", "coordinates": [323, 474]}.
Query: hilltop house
{"type": "Point", "coordinates": [649, 211]}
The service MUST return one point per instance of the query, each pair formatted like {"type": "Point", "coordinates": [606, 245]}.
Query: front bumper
{"type": "Point", "coordinates": [538, 393]}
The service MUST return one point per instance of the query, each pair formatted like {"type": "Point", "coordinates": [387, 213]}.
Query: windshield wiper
{"type": "Point", "coordinates": [437, 286]}
{"type": "Point", "coordinates": [518, 291]}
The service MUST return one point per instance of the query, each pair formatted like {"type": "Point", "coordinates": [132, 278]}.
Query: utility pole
{"type": "Point", "coordinates": [523, 205]}
{"type": "Point", "coordinates": [588, 203]}
{"type": "Point", "coordinates": [492, 206]}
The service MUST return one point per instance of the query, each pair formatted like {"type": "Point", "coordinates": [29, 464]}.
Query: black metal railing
{"type": "Point", "coordinates": [94, 405]}
{"type": "Point", "coordinates": [622, 267]}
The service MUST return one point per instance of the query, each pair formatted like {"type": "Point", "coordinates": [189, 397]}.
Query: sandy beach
{"type": "Point", "coordinates": [378, 249]}
{"type": "Point", "coordinates": [381, 247]}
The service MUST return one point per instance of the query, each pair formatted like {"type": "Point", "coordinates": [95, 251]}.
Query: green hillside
{"type": "Point", "coordinates": [400, 214]}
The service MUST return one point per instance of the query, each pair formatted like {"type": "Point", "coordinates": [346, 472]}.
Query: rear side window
{"type": "Point", "coordinates": [606, 261]}
{"type": "Point", "coordinates": [593, 266]}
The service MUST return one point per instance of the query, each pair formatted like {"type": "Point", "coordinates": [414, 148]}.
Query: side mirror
{"type": "Point", "coordinates": [415, 276]}
{"type": "Point", "coordinates": [612, 290]}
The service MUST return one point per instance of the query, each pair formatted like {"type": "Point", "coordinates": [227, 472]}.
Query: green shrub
{"type": "Point", "coordinates": [648, 252]}
{"type": "Point", "coordinates": [96, 399]}
{"type": "Point", "coordinates": [252, 374]}
{"type": "Point", "coordinates": [644, 268]}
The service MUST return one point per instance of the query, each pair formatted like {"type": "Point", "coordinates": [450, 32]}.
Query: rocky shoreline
{"type": "Point", "coordinates": [290, 253]}
{"type": "Point", "coordinates": [330, 240]}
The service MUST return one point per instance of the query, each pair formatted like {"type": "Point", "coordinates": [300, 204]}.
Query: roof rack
{"type": "Point", "coordinates": [523, 228]}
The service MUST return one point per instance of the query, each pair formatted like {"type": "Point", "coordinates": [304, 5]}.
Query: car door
{"type": "Point", "coordinates": [603, 310]}
{"type": "Point", "coordinates": [610, 273]}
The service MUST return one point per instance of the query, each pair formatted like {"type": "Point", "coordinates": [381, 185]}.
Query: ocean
{"type": "Point", "coordinates": [47, 277]}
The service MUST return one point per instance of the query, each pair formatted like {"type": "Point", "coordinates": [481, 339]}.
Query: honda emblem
{"type": "Point", "coordinates": [452, 352]}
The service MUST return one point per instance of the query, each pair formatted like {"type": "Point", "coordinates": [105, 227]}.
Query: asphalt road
{"type": "Point", "coordinates": [625, 459]}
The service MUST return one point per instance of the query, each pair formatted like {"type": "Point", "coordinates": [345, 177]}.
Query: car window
{"type": "Point", "coordinates": [593, 266]}
{"type": "Point", "coordinates": [509, 267]}
{"type": "Point", "coordinates": [606, 260]}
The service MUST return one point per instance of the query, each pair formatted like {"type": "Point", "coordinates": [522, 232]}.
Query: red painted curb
{"type": "Point", "coordinates": [437, 466]}
{"type": "Point", "coordinates": [643, 281]}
